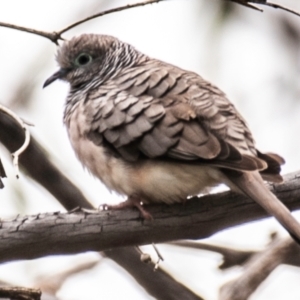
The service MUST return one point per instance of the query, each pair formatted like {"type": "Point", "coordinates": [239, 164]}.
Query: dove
{"type": "Point", "coordinates": [156, 133]}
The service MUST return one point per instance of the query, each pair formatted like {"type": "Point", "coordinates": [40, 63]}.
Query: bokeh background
{"type": "Point", "coordinates": [254, 57]}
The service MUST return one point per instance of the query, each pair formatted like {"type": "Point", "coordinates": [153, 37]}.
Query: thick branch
{"type": "Point", "coordinates": [38, 166]}
{"type": "Point", "coordinates": [18, 293]}
{"type": "Point", "coordinates": [74, 232]}
{"type": "Point", "coordinates": [17, 153]}
{"type": "Point", "coordinates": [129, 261]}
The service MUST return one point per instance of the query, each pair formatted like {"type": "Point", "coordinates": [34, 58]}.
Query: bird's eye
{"type": "Point", "coordinates": [83, 59]}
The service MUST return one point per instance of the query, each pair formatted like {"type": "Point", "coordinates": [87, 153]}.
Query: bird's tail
{"type": "Point", "coordinates": [252, 185]}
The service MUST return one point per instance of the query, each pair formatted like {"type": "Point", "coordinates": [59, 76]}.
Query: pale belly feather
{"type": "Point", "coordinates": [151, 180]}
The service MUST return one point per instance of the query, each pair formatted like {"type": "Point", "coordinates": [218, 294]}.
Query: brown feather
{"type": "Point", "coordinates": [158, 133]}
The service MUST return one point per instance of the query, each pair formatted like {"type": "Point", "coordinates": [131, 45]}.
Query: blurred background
{"type": "Point", "coordinates": [254, 57]}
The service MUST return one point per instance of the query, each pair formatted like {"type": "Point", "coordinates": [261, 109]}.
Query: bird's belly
{"type": "Point", "coordinates": [170, 182]}
{"type": "Point", "coordinates": [151, 180]}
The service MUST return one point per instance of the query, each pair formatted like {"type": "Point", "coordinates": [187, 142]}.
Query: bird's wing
{"type": "Point", "coordinates": [157, 110]}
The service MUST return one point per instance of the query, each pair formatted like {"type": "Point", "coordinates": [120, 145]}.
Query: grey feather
{"type": "Point", "coordinates": [129, 101]}
{"type": "Point", "coordinates": [154, 112]}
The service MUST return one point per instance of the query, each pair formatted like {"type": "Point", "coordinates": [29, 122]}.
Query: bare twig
{"type": "Point", "coordinates": [246, 3]}
{"type": "Point", "coordinates": [263, 2]}
{"type": "Point", "coordinates": [107, 12]}
{"type": "Point", "coordinates": [52, 36]}
{"type": "Point", "coordinates": [55, 36]}
{"type": "Point", "coordinates": [259, 267]}
{"type": "Point", "coordinates": [274, 5]}
{"type": "Point", "coordinates": [17, 153]}
{"type": "Point", "coordinates": [50, 284]}
{"type": "Point", "coordinates": [159, 257]}
{"type": "Point", "coordinates": [231, 257]}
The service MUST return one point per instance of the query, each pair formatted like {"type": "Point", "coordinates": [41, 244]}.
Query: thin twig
{"type": "Point", "coordinates": [245, 3]}
{"type": "Point", "coordinates": [51, 283]}
{"type": "Point", "coordinates": [159, 257]}
{"type": "Point", "coordinates": [106, 12]}
{"type": "Point", "coordinates": [231, 257]}
{"type": "Point", "coordinates": [274, 5]}
{"type": "Point", "coordinates": [56, 36]}
{"type": "Point", "coordinates": [52, 36]}
{"type": "Point", "coordinates": [266, 3]}
{"type": "Point", "coordinates": [17, 153]}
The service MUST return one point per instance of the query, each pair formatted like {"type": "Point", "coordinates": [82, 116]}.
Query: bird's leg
{"type": "Point", "coordinates": [132, 201]}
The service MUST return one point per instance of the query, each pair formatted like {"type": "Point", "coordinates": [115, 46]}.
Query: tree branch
{"type": "Point", "coordinates": [52, 36]}
{"type": "Point", "coordinates": [56, 36]}
{"type": "Point", "coordinates": [25, 144]}
{"type": "Point", "coordinates": [107, 12]}
{"type": "Point", "coordinates": [266, 3]}
{"type": "Point", "coordinates": [231, 257]}
{"type": "Point", "coordinates": [78, 231]}
{"type": "Point", "coordinates": [50, 284]}
{"type": "Point", "coordinates": [259, 267]}
{"type": "Point", "coordinates": [17, 293]}
{"type": "Point", "coordinates": [128, 260]}
{"type": "Point", "coordinates": [38, 166]}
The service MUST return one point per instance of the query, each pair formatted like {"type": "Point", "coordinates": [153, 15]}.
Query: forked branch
{"type": "Point", "coordinates": [17, 153]}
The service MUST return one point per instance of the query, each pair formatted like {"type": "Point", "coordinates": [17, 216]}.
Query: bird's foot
{"type": "Point", "coordinates": [131, 202]}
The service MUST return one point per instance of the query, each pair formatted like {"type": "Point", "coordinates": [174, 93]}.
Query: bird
{"type": "Point", "coordinates": [156, 133]}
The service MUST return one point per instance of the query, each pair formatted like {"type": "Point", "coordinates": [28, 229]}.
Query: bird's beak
{"type": "Point", "coordinates": [57, 75]}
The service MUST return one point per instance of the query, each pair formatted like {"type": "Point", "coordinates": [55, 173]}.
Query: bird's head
{"type": "Point", "coordinates": [90, 58]}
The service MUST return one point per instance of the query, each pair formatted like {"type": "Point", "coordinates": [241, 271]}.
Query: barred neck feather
{"type": "Point", "coordinates": [118, 57]}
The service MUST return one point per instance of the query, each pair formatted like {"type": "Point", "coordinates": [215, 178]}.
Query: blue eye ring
{"type": "Point", "coordinates": [83, 59]}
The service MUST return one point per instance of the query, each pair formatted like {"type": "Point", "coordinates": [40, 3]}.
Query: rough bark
{"type": "Point", "coordinates": [65, 233]}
